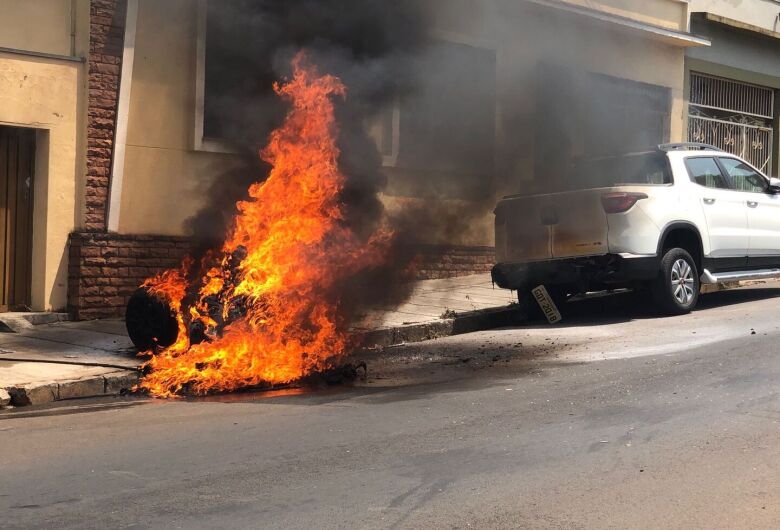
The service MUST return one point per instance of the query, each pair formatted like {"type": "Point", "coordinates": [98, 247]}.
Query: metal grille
{"type": "Point", "coordinates": [734, 116]}
{"type": "Point", "coordinates": [716, 93]}
{"type": "Point", "coordinates": [751, 142]}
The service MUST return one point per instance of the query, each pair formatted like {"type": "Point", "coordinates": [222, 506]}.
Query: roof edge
{"type": "Point", "coordinates": [679, 38]}
{"type": "Point", "coordinates": [744, 26]}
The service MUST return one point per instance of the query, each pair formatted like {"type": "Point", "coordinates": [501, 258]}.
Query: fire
{"type": "Point", "coordinates": [267, 300]}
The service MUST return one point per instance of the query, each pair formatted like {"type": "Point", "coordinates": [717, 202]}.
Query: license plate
{"type": "Point", "coordinates": [545, 302]}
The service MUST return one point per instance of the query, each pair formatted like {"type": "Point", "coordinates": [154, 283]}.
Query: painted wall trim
{"type": "Point", "coordinates": [122, 115]}
{"type": "Point", "coordinates": [679, 38]}
{"type": "Point", "coordinates": [200, 75]}
{"type": "Point", "coordinates": [28, 53]}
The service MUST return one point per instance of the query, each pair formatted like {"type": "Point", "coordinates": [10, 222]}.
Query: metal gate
{"type": "Point", "coordinates": [734, 116]}
{"type": "Point", "coordinates": [17, 156]}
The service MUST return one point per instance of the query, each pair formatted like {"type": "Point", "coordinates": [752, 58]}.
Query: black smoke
{"type": "Point", "coordinates": [368, 44]}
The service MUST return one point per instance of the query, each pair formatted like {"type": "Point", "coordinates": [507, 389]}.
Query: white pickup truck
{"type": "Point", "coordinates": [668, 220]}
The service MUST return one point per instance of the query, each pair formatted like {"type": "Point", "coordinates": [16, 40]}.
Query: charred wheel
{"type": "Point", "coordinates": [150, 321]}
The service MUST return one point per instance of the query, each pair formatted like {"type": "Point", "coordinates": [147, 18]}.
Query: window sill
{"type": "Point", "coordinates": [213, 145]}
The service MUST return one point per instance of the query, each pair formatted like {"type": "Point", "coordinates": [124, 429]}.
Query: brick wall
{"type": "Point", "coordinates": [106, 41]}
{"type": "Point", "coordinates": [104, 269]}
{"type": "Point", "coordinates": [452, 261]}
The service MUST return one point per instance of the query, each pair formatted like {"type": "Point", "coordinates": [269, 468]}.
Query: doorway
{"type": "Point", "coordinates": [17, 158]}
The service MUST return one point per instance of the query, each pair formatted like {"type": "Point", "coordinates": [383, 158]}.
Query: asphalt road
{"type": "Point", "coordinates": [617, 418]}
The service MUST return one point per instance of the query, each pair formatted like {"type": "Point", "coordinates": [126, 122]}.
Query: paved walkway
{"type": "Point", "coordinates": [62, 360]}
{"type": "Point", "coordinates": [434, 300]}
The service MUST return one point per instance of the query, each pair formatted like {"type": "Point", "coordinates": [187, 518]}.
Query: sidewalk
{"type": "Point", "coordinates": [439, 308]}
{"type": "Point", "coordinates": [44, 359]}
{"type": "Point", "coordinates": [63, 360]}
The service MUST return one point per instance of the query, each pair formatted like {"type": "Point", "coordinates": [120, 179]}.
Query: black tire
{"type": "Point", "coordinates": [528, 307]}
{"type": "Point", "coordinates": [150, 321]}
{"type": "Point", "coordinates": [676, 290]}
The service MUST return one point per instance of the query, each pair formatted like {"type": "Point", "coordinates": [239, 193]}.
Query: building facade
{"type": "Point", "coordinates": [43, 144]}
{"type": "Point", "coordinates": [732, 85]}
{"type": "Point", "coordinates": [110, 99]}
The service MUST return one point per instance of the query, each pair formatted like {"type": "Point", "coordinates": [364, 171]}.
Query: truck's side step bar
{"type": "Point", "coordinates": [738, 276]}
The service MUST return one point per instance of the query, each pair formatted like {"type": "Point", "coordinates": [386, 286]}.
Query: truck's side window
{"type": "Point", "coordinates": [743, 177]}
{"type": "Point", "coordinates": [706, 172]}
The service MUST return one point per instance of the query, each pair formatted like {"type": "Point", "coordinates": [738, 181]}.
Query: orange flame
{"type": "Point", "coordinates": [294, 248]}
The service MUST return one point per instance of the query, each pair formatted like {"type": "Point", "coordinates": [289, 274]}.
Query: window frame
{"type": "Point", "coordinates": [391, 160]}
{"type": "Point", "coordinates": [699, 112]}
{"type": "Point", "coordinates": [202, 143]}
{"type": "Point", "coordinates": [714, 158]}
{"type": "Point", "coordinates": [728, 177]}
{"type": "Point", "coordinates": [199, 141]}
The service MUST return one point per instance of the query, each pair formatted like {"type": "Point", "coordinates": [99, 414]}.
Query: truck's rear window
{"type": "Point", "coordinates": [644, 168]}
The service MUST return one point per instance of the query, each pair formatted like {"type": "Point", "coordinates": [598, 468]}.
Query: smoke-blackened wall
{"type": "Point", "coordinates": [474, 99]}
{"type": "Point", "coordinates": [510, 37]}
{"type": "Point", "coordinates": [366, 43]}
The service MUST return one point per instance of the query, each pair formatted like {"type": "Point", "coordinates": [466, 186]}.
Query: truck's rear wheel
{"type": "Point", "coordinates": [676, 290]}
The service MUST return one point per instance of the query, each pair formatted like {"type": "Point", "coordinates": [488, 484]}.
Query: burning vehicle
{"type": "Point", "coordinates": [265, 308]}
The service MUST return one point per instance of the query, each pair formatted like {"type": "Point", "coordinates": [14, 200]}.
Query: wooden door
{"type": "Point", "coordinates": [17, 156]}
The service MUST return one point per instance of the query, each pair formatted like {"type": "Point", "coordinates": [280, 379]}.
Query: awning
{"type": "Point", "coordinates": [737, 24]}
{"type": "Point", "coordinates": [670, 36]}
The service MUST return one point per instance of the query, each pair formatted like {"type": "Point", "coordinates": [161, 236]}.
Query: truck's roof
{"type": "Point", "coordinates": [703, 152]}
{"type": "Point", "coordinates": [673, 154]}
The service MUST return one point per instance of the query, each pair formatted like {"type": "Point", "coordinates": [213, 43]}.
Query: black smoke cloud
{"type": "Point", "coordinates": [368, 44]}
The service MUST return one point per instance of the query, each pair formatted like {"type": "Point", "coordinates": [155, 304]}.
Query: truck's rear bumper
{"type": "Point", "coordinates": [608, 269]}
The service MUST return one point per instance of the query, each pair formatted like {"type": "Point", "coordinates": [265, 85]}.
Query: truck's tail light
{"type": "Point", "coordinates": [620, 202]}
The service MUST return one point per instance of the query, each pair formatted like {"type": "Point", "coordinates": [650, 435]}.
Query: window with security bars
{"type": "Point", "coordinates": [734, 116]}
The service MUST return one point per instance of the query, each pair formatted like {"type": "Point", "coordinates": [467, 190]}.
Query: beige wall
{"type": "Point", "coordinates": [761, 13]}
{"type": "Point", "coordinates": [45, 94]}
{"type": "Point", "coordinates": [165, 179]}
{"type": "Point", "coordinates": [36, 25]}
{"type": "Point", "coordinates": [48, 95]}
{"type": "Point", "coordinates": [671, 14]}
{"type": "Point", "coordinates": [525, 35]}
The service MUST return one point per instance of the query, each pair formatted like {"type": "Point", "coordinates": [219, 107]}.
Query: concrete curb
{"type": "Point", "coordinates": [110, 384]}
{"type": "Point", "coordinates": [464, 323]}
{"type": "Point", "coordinates": [17, 322]}
{"type": "Point", "coordinates": [120, 381]}
{"type": "Point", "coordinates": [478, 321]}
